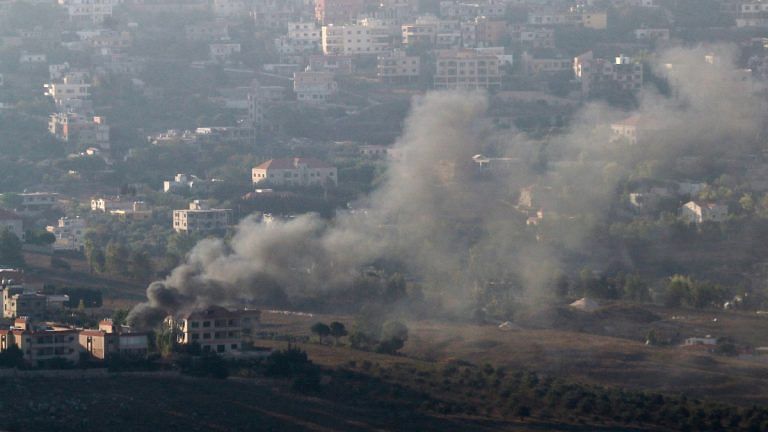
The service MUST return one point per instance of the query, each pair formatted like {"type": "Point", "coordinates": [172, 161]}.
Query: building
{"type": "Point", "coordinates": [83, 131]}
{"type": "Point", "coordinates": [12, 222]}
{"type": "Point", "coordinates": [36, 202]}
{"type": "Point", "coordinates": [467, 69]}
{"type": "Point", "coordinates": [652, 34]}
{"type": "Point", "coordinates": [397, 66]}
{"type": "Point", "coordinates": [69, 233]}
{"type": "Point", "coordinates": [295, 172]}
{"type": "Point", "coordinates": [207, 31]}
{"type": "Point", "coordinates": [336, 64]}
{"type": "Point", "coordinates": [545, 61]}
{"type": "Point", "coordinates": [41, 343]}
{"type": "Point", "coordinates": [88, 11]}
{"type": "Point", "coordinates": [698, 212]}
{"type": "Point", "coordinates": [73, 86]}
{"type": "Point", "coordinates": [223, 51]}
{"type": "Point", "coordinates": [354, 39]}
{"type": "Point", "coordinates": [19, 301]}
{"type": "Point", "coordinates": [630, 130]}
{"type": "Point", "coordinates": [182, 182]}
{"type": "Point", "coordinates": [753, 14]}
{"type": "Point", "coordinates": [598, 74]}
{"type": "Point", "coordinates": [302, 37]}
{"type": "Point", "coordinates": [337, 11]}
{"type": "Point", "coordinates": [314, 87]}
{"type": "Point", "coordinates": [109, 340]}
{"type": "Point", "coordinates": [200, 218]}
{"type": "Point", "coordinates": [430, 31]}
{"type": "Point", "coordinates": [216, 329]}
{"type": "Point", "coordinates": [531, 37]}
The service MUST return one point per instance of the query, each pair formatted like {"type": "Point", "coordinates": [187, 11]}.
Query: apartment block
{"type": "Point", "coordinates": [467, 69]}
{"type": "Point", "coordinates": [216, 329]}
{"type": "Point", "coordinates": [398, 66]}
{"type": "Point", "coordinates": [294, 172]}
{"type": "Point", "coordinates": [199, 217]}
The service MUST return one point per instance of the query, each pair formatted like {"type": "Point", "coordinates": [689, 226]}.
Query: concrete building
{"type": "Point", "coordinates": [699, 212]}
{"type": "Point", "coordinates": [398, 66]}
{"type": "Point", "coordinates": [199, 217]}
{"type": "Point", "coordinates": [88, 11]}
{"type": "Point", "coordinates": [337, 11]}
{"type": "Point", "coordinates": [207, 31]}
{"type": "Point", "coordinates": [41, 343]}
{"type": "Point", "coordinates": [336, 64]}
{"type": "Point", "coordinates": [314, 87]}
{"type": "Point", "coordinates": [430, 31]}
{"type": "Point", "coordinates": [596, 74]}
{"type": "Point", "coordinates": [532, 37]}
{"type": "Point", "coordinates": [467, 69]}
{"type": "Point", "coordinates": [630, 130]}
{"type": "Point", "coordinates": [302, 37]}
{"type": "Point", "coordinates": [72, 86]}
{"type": "Point", "coordinates": [294, 172]}
{"type": "Point", "coordinates": [80, 130]}
{"type": "Point", "coordinates": [652, 34]}
{"type": "Point", "coordinates": [184, 182]}
{"type": "Point", "coordinates": [110, 340]}
{"type": "Point", "coordinates": [216, 329]}
{"type": "Point", "coordinates": [354, 39]}
{"type": "Point", "coordinates": [33, 203]}
{"type": "Point", "coordinates": [223, 51]}
{"type": "Point", "coordinates": [545, 61]}
{"type": "Point", "coordinates": [69, 232]}
{"type": "Point", "coordinates": [12, 222]}
{"type": "Point", "coordinates": [752, 14]}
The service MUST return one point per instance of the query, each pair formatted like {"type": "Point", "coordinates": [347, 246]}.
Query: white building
{"type": "Point", "coordinates": [72, 86]}
{"type": "Point", "coordinates": [354, 39]}
{"type": "Point", "coordinates": [200, 218]}
{"type": "Point", "coordinates": [94, 11]}
{"type": "Point", "coordinates": [302, 37]}
{"type": "Point", "coordinates": [398, 66]}
{"type": "Point", "coordinates": [223, 51]}
{"type": "Point", "coordinates": [467, 69]}
{"type": "Point", "coordinates": [697, 212]}
{"type": "Point", "coordinates": [294, 172]}
{"type": "Point", "coordinates": [69, 232]}
{"type": "Point", "coordinates": [314, 87]}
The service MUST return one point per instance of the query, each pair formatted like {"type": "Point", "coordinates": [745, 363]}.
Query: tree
{"type": "Point", "coordinates": [115, 258]}
{"type": "Point", "coordinates": [95, 257]}
{"type": "Point", "coordinates": [678, 291]}
{"type": "Point", "coordinates": [10, 249]}
{"type": "Point", "coordinates": [393, 337]}
{"type": "Point", "coordinates": [321, 330]}
{"type": "Point", "coordinates": [337, 331]}
{"type": "Point", "coordinates": [522, 411]}
{"type": "Point", "coordinates": [140, 265]}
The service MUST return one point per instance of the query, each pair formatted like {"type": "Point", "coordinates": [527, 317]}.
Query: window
{"type": "Point", "coordinates": [206, 323]}
{"type": "Point", "coordinates": [234, 346]}
{"type": "Point", "coordinates": [194, 324]}
{"type": "Point", "coordinates": [221, 348]}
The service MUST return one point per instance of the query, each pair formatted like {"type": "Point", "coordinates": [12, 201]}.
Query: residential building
{"type": "Point", "coordinates": [753, 14]}
{"type": "Point", "coordinates": [182, 182]}
{"type": "Point", "coordinates": [354, 39]}
{"type": "Point", "coordinates": [294, 172]}
{"type": "Point", "coordinates": [41, 343]}
{"type": "Point", "coordinates": [93, 11]}
{"type": "Point", "coordinates": [398, 66]}
{"type": "Point", "coordinates": [314, 87]}
{"type": "Point", "coordinates": [430, 31]}
{"type": "Point", "coordinates": [36, 202]}
{"type": "Point", "coordinates": [69, 233]}
{"type": "Point", "coordinates": [223, 51]}
{"type": "Point", "coordinates": [205, 136]}
{"type": "Point", "coordinates": [699, 212]}
{"type": "Point", "coordinates": [545, 61]}
{"type": "Point", "coordinates": [302, 37]}
{"type": "Point", "coordinates": [229, 8]}
{"type": "Point", "coordinates": [630, 130]}
{"type": "Point", "coordinates": [469, 10]}
{"type": "Point", "coordinates": [80, 130]}
{"type": "Point", "coordinates": [599, 74]}
{"type": "Point", "coordinates": [20, 301]}
{"type": "Point", "coordinates": [336, 64]}
{"type": "Point", "coordinates": [201, 218]}
{"type": "Point", "coordinates": [12, 222]}
{"type": "Point", "coordinates": [216, 329]}
{"type": "Point", "coordinates": [337, 11]}
{"type": "Point", "coordinates": [71, 87]}
{"type": "Point", "coordinates": [467, 69]}
{"type": "Point", "coordinates": [109, 340]}
{"type": "Point", "coordinates": [207, 31]}
{"type": "Point", "coordinates": [532, 37]}
{"type": "Point", "coordinates": [652, 34]}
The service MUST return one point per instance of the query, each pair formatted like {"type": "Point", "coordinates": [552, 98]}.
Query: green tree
{"type": "Point", "coordinates": [116, 258]}
{"type": "Point", "coordinates": [140, 265]}
{"type": "Point", "coordinates": [338, 331]}
{"type": "Point", "coordinates": [10, 249]}
{"type": "Point", "coordinates": [393, 337]}
{"type": "Point", "coordinates": [678, 291]}
{"type": "Point", "coordinates": [95, 257]}
{"type": "Point", "coordinates": [321, 330]}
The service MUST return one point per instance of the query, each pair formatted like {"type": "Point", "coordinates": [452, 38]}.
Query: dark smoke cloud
{"type": "Point", "coordinates": [450, 229]}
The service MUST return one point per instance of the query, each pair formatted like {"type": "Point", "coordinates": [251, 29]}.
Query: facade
{"type": "Point", "coordinates": [41, 343]}
{"type": "Point", "coordinates": [12, 222]}
{"type": "Point", "coordinates": [223, 51]}
{"type": "Point", "coordinates": [111, 339]}
{"type": "Point", "coordinates": [334, 63]}
{"type": "Point", "coordinates": [337, 11]}
{"type": "Point", "coordinates": [70, 87]}
{"type": "Point", "coordinates": [93, 11]}
{"type": "Point", "coordinates": [294, 172]}
{"type": "Point", "coordinates": [398, 66]}
{"type": "Point", "coordinates": [302, 37]}
{"type": "Point", "coordinates": [467, 69]}
{"type": "Point", "coordinates": [430, 31]}
{"type": "Point", "coordinates": [629, 130]}
{"type": "Point", "coordinates": [354, 39]}
{"type": "Point", "coordinates": [69, 232]}
{"type": "Point", "coordinates": [545, 61]}
{"type": "Point", "coordinates": [698, 212]}
{"type": "Point", "coordinates": [19, 302]}
{"type": "Point", "coordinates": [200, 218]}
{"type": "Point", "coordinates": [36, 202]}
{"type": "Point", "coordinates": [216, 329]}
{"type": "Point", "coordinates": [652, 34]}
{"type": "Point", "coordinates": [314, 87]}
{"type": "Point", "coordinates": [596, 73]}
{"type": "Point", "coordinates": [84, 131]}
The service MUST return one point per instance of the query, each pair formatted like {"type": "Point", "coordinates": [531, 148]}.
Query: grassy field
{"type": "Point", "coordinates": [583, 357]}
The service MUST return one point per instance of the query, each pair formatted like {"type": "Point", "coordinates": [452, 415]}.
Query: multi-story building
{"type": "Point", "coordinates": [229, 8]}
{"type": "Point", "coordinates": [302, 37]}
{"type": "Point", "coordinates": [207, 31]}
{"type": "Point", "coordinates": [41, 343]}
{"type": "Point", "coordinates": [467, 69]}
{"type": "Point", "coordinates": [652, 34]}
{"type": "Point", "coordinates": [431, 31]}
{"type": "Point", "coordinates": [753, 14]}
{"type": "Point", "coordinates": [83, 131]}
{"type": "Point", "coordinates": [469, 10]}
{"type": "Point", "coordinates": [596, 74]}
{"type": "Point", "coordinates": [94, 11]}
{"type": "Point", "coordinates": [698, 212]}
{"type": "Point", "coordinates": [593, 19]}
{"type": "Point", "coordinates": [216, 329]}
{"type": "Point", "coordinates": [110, 340]}
{"type": "Point", "coordinates": [36, 202]}
{"type": "Point", "coordinates": [314, 87]}
{"type": "Point", "coordinates": [398, 66]}
{"type": "Point", "coordinates": [199, 217]}
{"type": "Point", "coordinates": [71, 87]}
{"type": "Point", "coordinates": [223, 51]}
{"type": "Point", "coordinates": [333, 63]}
{"type": "Point", "coordinates": [69, 232]}
{"type": "Point", "coordinates": [294, 172]}
{"type": "Point", "coordinates": [337, 11]}
{"type": "Point", "coordinates": [12, 222]}
{"type": "Point", "coordinates": [354, 39]}
{"type": "Point", "coordinates": [545, 61]}
{"type": "Point", "coordinates": [529, 37]}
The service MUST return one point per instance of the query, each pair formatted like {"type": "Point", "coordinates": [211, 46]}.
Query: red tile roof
{"type": "Point", "coordinates": [291, 163]}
